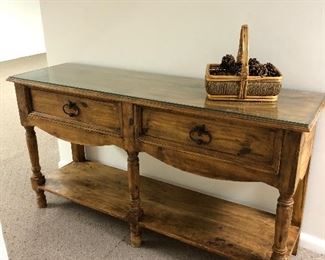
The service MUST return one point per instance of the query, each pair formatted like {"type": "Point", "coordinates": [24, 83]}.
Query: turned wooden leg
{"type": "Point", "coordinates": [37, 178]}
{"type": "Point", "coordinates": [78, 152]}
{"type": "Point", "coordinates": [135, 207]}
{"type": "Point", "coordinates": [282, 224]}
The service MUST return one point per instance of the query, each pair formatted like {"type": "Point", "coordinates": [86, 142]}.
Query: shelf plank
{"type": "Point", "coordinates": [92, 185]}
{"type": "Point", "coordinates": [219, 226]}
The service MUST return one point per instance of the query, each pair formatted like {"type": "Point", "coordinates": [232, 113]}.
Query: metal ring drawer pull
{"type": "Point", "coordinates": [197, 134]}
{"type": "Point", "coordinates": [71, 109]}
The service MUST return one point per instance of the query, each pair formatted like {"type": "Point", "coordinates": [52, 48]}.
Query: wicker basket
{"type": "Point", "coordinates": [243, 87]}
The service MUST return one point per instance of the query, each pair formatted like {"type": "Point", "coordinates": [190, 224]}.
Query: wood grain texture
{"type": "Point", "coordinates": [68, 130]}
{"type": "Point", "coordinates": [78, 152]}
{"type": "Point", "coordinates": [226, 228]}
{"type": "Point", "coordinates": [306, 148]}
{"type": "Point", "coordinates": [92, 112]}
{"type": "Point", "coordinates": [295, 110]}
{"type": "Point", "coordinates": [291, 151]}
{"type": "Point", "coordinates": [92, 185]}
{"type": "Point", "coordinates": [282, 227]}
{"type": "Point", "coordinates": [128, 119]}
{"type": "Point", "coordinates": [299, 199]}
{"type": "Point", "coordinates": [24, 102]}
{"type": "Point", "coordinates": [301, 182]}
{"type": "Point", "coordinates": [170, 118]}
{"type": "Point", "coordinates": [251, 145]}
{"type": "Point", "coordinates": [135, 212]}
{"type": "Point", "coordinates": [299, 204]}
{"type": "Point", "coordinates": [37, 178]}
{"type": "Point", "coordinates": [208, 166]}
{"type": "Point", "coordinates": [288, 175]}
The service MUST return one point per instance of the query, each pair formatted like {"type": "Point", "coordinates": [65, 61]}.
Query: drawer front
{"type": "Point", "coordinates": [97, 114]}
{"type": "Point", "coordinates": [221, 138]}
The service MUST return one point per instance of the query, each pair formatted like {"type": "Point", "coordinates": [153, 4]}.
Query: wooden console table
{"type": "Point", "coordinates": [169, 118]}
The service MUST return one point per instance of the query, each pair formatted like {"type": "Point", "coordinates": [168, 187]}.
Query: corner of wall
{"type": "Point", "coordinates": [312, 243]}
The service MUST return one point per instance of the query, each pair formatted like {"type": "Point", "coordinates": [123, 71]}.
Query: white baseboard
{"type": "Point", "coordinates": [307, 241]}
{"type": "Point", "coordinates": [63, 163]}
{"type": "Point", "coordinates": [312, 243]}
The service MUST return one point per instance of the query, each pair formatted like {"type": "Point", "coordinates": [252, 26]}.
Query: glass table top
{"type": "Point", "coordinates": [293, 107]}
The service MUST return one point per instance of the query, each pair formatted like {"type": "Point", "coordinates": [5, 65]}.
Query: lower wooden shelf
{"type": "Point", "coordinates": [218, 226]}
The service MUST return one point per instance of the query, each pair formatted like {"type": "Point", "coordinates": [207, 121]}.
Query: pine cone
{"type": "Point", "coordinates": [272, 71]}
{"type": "Point", "coordinates": [236, 68]}
{"type": "Point", "coordinates": [258, 70]}
{"type": "Point", "coordinates": [253, 62]}
{"type": "Point", "coordinates": [229, 66]}
{"type": "Point", "coordinates": [261, 70]}
{"type": "Point", "coordinates": [228, 62]}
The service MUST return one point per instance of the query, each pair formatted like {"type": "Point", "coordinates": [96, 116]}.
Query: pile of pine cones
{"type": "Point", "coordinates": [229, 66]}
{"type": "Point", "coordinates": [265, 70]}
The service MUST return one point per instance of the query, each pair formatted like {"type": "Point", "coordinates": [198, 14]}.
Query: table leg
{"type": "Point", "coordinates": [135, 207]}
{"type": "Point", "coordinates": [78, 152]}
{"type": "Point", "coordinates": [298, 207]}
{"type": "Point", "coordinates": [282, 224]}
{"type": "Point", "coordinates": [37, 178]}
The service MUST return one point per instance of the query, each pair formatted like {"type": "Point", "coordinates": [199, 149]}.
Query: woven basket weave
{"type": "Point", "coordinates": [243, 87]}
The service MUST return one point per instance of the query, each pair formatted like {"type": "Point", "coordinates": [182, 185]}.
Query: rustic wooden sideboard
{"type": "Point", "coordinates": [170, 118]}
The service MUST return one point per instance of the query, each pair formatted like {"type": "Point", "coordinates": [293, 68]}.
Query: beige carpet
{"type": "Point", "coordinates": [64, 230]}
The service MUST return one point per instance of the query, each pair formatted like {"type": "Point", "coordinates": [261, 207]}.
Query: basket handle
{"type": "Point", "coordinates": [242, 56]}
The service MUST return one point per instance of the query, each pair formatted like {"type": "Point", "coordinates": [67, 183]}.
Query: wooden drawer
{"type": "Point", "coordinates": [223, 139]}
{"type": "Point", "coordinates": [97, 114]}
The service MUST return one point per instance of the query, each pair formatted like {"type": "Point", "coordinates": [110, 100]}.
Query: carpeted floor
{"type": "Point", "coordinates": [64, 230]}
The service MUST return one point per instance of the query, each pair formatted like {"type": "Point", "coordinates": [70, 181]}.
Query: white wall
{"type": "Point", "coordinates": [181, 38]}
{"type": "Point", "coordinates": [20, 29]}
